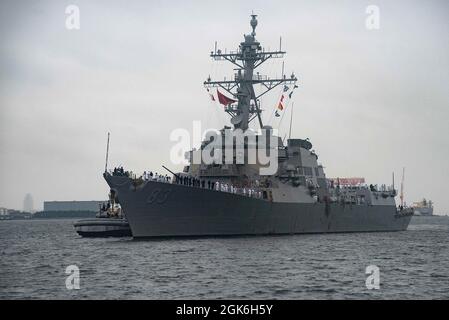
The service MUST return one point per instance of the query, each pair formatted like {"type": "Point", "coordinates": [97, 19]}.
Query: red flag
{"type": "Point", "coordinates": [281, 103]}
{"type": "Point", "coordinates": [223, 99]}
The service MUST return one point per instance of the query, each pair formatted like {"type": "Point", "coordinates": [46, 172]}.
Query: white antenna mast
{"type": "Point", "coordinates": [291, 120]}
{"type": "Point", "coordinates": [402, 188]}
{"type": "Point", "coordinates": [107, 155]}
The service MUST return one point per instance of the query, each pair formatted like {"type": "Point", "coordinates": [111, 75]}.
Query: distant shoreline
{"type": "Point", "coordinates": [41, 215]}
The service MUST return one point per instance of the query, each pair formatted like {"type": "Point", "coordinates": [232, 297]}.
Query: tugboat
{"type": "Point", "coordinates": [109, 222]}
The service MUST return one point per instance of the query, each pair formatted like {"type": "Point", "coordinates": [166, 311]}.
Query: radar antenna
{"type": "Point", "coordinates": [249, 56]}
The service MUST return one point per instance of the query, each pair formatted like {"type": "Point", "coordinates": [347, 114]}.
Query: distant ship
{"type": "Point", "coordinates": [423, 208]}
{"type": "Point", "coordinates": [236, 198]}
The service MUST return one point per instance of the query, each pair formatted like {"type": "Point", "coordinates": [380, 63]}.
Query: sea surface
{"type": "Point", "coordinates": [413, 264]}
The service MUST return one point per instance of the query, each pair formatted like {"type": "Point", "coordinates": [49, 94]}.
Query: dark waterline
{"type": "Point", "coordinates": [414, 264]}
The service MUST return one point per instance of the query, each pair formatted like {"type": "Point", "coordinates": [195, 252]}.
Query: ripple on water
{"type": "Point", "coordinates": [413, 264]}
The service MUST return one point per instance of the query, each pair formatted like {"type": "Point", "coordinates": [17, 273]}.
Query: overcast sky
{"type": "Point", "coordinates": [371, 101]}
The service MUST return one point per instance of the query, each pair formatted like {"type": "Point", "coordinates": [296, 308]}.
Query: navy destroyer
{"type": "Point", "coordinates": [236, 195]}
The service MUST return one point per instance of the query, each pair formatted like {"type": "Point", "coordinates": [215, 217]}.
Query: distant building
{"type": "Point", "coordinates": [3, 212]}
{"type": "Point", "coordinates": [28, 203]}
{"type": "Point", "coordinates": [73, 205]}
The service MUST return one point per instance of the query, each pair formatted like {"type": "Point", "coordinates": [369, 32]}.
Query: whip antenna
{"type": "Point", "coordinates": [107, 155]}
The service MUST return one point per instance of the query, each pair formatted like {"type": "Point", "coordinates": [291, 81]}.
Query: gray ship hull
{"type": "Point", "coordinates": [157, 209]}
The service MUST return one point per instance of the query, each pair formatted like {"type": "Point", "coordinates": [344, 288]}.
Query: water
{"type": "Point", "coordinates": [414, 264]}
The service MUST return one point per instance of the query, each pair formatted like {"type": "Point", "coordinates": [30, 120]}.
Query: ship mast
{"type": "Point", "coordinates": [107, 155]}
{"type": "Point", "coordinates": [249, 56]}
{"type": "Point", "coordinates": [402, 188]}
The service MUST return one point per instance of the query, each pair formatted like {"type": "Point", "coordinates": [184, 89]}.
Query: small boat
{"type": "Point", "coordinates": [103, 227]}
{"type": "Point", "coordinates": [109, 222]}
